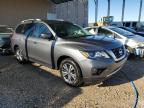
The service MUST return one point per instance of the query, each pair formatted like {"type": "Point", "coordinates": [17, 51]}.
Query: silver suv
{"type": "Point", "coordinates": [79, 55]}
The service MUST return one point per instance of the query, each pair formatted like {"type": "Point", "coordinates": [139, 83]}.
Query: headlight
{"type": "Point", "coordinates": [95, 54]}
{"type": "Point", "coordinates": [141, 44]}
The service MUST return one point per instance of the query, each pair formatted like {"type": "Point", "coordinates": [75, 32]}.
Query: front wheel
{"type": "Point", "coordinates": [70, 72]}
{"type": "Point", "coordinates": [19, 55]}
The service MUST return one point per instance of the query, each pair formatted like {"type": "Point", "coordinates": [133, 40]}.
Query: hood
{"type": "Point", "coordinates": [95, 42]}
{"type": "Point", "coordinates": [138, 38]}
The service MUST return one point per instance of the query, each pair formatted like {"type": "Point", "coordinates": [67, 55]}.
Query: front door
{"type": "Point", "coordinates": [39, 48]}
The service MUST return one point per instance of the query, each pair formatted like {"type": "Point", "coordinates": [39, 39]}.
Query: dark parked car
{"type": "Point", "coordinates": [5, 35]}
{"type": "Point", "coordinates": [133, 31]}
{"type": "Point", "coordinates": [79, 55]}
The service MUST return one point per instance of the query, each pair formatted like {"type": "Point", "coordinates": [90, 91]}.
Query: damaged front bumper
{"type": "Point", "coordinates": [139, 52]}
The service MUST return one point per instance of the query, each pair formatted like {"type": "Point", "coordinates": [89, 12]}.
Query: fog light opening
{"type": "Point", "coordinates": [97, 71]}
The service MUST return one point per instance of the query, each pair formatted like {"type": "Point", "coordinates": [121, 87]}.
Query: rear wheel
{"type": "Point", "coordinates": [19, 55]}
{"type": "Point", "coordinates": [70, 72]}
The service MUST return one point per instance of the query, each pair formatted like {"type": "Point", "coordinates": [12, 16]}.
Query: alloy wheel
{"type": "Point", "coordinates": [69, 73]}
{"type": "Point", "coordinates": [19, 55]}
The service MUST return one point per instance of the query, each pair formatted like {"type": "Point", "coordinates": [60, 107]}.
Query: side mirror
{"type": "Point", "coordinates": [46, 36]}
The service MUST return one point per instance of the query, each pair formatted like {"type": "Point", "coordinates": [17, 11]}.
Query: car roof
{"type": "Point", "coordinates": [3, 26]}
{"type": "Point", "coordinates": [92, 27]}
{"type": "Point", "coordinates": [46, 21]}
{"type": "Point", "coordinates": [107, 27]}
{"type": "Point", "coordinates": [55, 21]}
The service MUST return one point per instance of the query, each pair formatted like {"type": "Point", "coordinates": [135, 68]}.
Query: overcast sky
{"type": "Point", "coordinates": [131, 10]}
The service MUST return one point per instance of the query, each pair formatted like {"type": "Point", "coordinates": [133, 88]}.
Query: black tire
{"type": "Point", "coordinates": [19, 55]}
{"type": "Point", "coordinates": [76, 72]}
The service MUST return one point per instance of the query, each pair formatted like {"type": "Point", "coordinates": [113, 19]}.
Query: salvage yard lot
{"type": "Point", "coordinates": [35, 86]}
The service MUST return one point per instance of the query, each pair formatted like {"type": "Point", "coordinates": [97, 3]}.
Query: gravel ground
{"type": "Point", "coordinates": [35, 86]}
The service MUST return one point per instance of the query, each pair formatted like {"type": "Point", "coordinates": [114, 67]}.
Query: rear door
{"type": "Point", "coordinates": [21, 35]}
{"type": "Point", "coordinates": [39, 49]}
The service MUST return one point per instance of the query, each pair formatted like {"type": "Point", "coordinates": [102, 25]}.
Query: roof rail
{"type": "Point", "coordinates": [30, 20]}
{"type": "Point", "coordinates": [3, 25]}
{"type": "Point", "coordinates": [59, 19]}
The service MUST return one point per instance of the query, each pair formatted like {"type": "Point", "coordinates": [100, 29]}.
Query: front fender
{"type": "Point", "coordinates": [67, 52]}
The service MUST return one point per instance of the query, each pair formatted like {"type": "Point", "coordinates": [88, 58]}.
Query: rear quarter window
{"type": "Point", "coordinates": [19, 29]}
{"type": "Point", "coordinates": [24, 29]}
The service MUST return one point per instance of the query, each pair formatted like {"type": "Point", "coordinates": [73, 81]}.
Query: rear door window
{"type": "Point", "coordinates": [19, 29]}
{"type": "Point", "coordinates": [92, 30]}
{"type": "Point", "coordinates": [104, 32]}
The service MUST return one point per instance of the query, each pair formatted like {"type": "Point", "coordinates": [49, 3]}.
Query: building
{"type": "Point", "coordinates": [75, 11]}
{"type": "Point", "coordinates": [14, 11]}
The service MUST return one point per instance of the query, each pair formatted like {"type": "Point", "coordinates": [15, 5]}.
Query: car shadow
{"type": "Point", "coordinates": [132, 71]}
{"type": "Point", "coordinates": [32, 86]}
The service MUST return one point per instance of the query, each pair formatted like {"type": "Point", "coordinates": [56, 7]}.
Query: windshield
{"type": "Point", "coordinates": [5, 30]}
{"type": "Point", "coordinates": [69, 30]}
{"type": "Point", "coordinates": [123, 32]}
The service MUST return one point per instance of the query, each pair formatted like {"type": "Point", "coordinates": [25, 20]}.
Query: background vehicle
{"type": "Point", "coordinates": [5, 35]}
{"type": "Point", "coordinates": [141, 30]}
{"type": "Point", "coordinates": [133, 43]}
{"type": "Point", "coordinates": [79, 55]}
{"type": "Point", "coordinates": [133, 31]}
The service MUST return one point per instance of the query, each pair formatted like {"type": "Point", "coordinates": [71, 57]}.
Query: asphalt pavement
{"type": "Point", "coordinates": [34, 86]}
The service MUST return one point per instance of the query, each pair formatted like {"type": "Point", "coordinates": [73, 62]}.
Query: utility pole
{"type": "Point", "coordinates": [76, 11]}
{"type": "Point", "coordinates": [96, 10]}
{"type": "Point", "coordinates": [108, 11]}
{"type": "Point", "coordinates": [84, 12]}
{"type": "Point", "coordinates": [140, 11]}
{"type": "Point", "coordinates": [67, 9]}
{"type": "Point", "coordinates": [123, 11]}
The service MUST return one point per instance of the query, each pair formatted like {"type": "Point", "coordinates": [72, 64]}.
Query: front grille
{"type": "Point", "coordinates": [118, 52]}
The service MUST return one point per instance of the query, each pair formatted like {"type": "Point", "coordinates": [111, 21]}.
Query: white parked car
{"type": "Point", "coordinates": [134, 43]}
